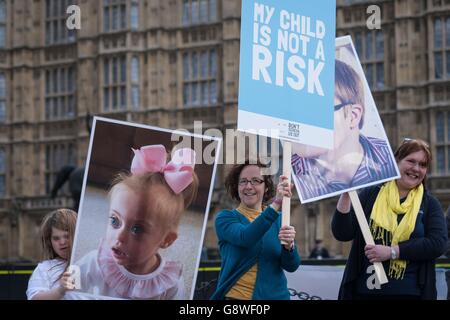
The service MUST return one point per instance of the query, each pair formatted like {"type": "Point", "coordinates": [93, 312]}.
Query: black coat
{"type": "Point", "coordinates": [422, 250]}
{"type": "Point", "coordinates": [448, 233]}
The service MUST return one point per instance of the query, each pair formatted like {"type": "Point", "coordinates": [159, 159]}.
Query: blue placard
{"type": "Point", "coordinates": [286, 79]}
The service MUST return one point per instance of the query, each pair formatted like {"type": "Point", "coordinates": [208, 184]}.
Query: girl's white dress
{"type": "Point", "coordinates": [102, 276]}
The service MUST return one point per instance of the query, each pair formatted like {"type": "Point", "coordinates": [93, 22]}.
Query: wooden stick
{"type": "Point", "coordinates": [364, 226]}
{"type": "Point", "coordinates": [286, 205]}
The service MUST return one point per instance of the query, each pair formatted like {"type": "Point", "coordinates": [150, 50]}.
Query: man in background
{"type": "Point", "coordinates": [319, 251]}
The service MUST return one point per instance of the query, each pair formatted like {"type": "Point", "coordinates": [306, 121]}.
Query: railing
{"type": "Point", "coordinates": [14, 280]}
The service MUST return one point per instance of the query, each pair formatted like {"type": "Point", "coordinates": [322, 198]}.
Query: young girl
{"type": "Point", "coordinates": [145, 210]}
{"type": "Point", "coordinates": [49, 281]}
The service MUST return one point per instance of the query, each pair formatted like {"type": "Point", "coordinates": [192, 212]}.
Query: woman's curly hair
{"type": "Point", "coordinates": [232, 180]}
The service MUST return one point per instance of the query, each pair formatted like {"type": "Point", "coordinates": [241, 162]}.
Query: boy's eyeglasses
{"type": "Point", "coordinates": [253, 182]}
{"type": "Point", "coordinates": [341, 105]}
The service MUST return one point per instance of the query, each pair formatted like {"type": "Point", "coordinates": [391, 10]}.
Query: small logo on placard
{"type": "Point", "coordinates": [294, 130]}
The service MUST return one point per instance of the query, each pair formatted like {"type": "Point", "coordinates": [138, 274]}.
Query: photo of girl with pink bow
{"type": "Point", "coordinates": [145, 206]}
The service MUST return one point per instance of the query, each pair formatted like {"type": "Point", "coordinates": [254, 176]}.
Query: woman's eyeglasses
{"type": "Point", "coordinates": [253, 182]}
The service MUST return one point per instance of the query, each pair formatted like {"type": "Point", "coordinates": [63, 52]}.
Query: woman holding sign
{"type": "Point", "coordinates": [408, 227]}
{"type": "Point", "coordinates": [253, 260]}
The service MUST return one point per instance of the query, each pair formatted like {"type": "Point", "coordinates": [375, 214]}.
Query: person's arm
{"type": "Point", "coordinates": [344, 225]}
{"type": "Point", "coordinates": [290, 259]}
{"type": "Point", "coordinates": [52, 294]}
{"type": "Point", "coordinates": [65, 283]}
{"type": "Point", "coordinates": [40, 289]}
{"type": "Point", "coordinates": [435, 241]}
{"type": "Point", "coordinates": [229, 227]}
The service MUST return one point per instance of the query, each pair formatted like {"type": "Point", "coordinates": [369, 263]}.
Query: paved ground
{"type": "Point", "coordinates": [93, 218]}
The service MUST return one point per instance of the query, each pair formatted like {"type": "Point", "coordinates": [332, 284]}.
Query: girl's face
{"type": "Point", "coordinates": [413, 169]}
{"type": "Point", "coordinates": [134, 234]}
{"type": "Point", "coordinates": [251, 194]}
{"type": "Point", "coordinates": [60, 242]}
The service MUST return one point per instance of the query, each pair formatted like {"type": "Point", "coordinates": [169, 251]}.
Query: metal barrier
{"type": "Point", "coordinates": [14, 280]}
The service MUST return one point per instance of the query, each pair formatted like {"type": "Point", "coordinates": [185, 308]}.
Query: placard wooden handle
{"type": "Point", "coordinates": [286, 206]}
{"type": "Point", "coordinates": [364, 226]}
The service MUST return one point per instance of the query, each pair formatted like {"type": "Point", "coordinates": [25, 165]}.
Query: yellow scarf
{"type": "Point", "coordinates": [383, 220]}
{"type": "Point", "coordinates": [249, 213]}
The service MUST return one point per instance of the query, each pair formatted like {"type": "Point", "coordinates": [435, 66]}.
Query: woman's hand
{"type": "Point", "coordinates": [283, 190]}
{"type": "Point", "coordinates": [287, 236]}
{"type": "Point", "coordinates": [344, 203]}
{"type": "Point", "coordinates": [377, 253]}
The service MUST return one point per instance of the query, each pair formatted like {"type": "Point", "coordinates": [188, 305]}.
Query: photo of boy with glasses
{"type": "Point", "coordinates": [356, 159]}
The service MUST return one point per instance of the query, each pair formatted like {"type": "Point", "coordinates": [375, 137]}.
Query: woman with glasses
{"type": "Point", "coordinates": [253, 258]}
{"type": "Point", "coordinates": [408, 227]}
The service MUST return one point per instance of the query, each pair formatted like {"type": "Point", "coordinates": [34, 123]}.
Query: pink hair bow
{"type": "Point", "coordinates": [177, 173]}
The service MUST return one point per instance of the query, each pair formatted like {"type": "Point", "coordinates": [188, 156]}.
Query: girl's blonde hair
{"type": "Point", "coordinates": [166, 204]}
{"type": "Point", "coordinates": [63, 219]}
